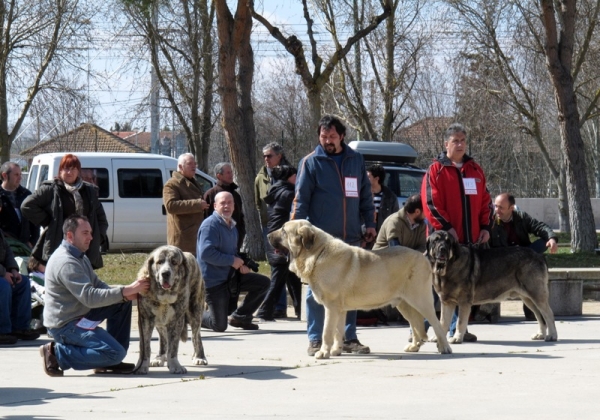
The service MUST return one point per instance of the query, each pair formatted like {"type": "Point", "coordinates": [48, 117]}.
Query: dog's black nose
{"type": "Point", "coordinates": [165, 275]}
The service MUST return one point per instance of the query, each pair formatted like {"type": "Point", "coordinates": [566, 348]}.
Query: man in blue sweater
{"type": "Point", "coordinates": [225, 274]}
{"type": "Point", "coordinates": [77, 301]}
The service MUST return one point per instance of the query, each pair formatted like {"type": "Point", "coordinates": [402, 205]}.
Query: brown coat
{"type": "Point", "coordinates": [182, 198]}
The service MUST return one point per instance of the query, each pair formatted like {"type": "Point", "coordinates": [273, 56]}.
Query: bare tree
{"type": "Point", "coordinates": [236, 73]}
{"type": "Point", "coordinates": [34, 35]}
{"type": "Point", "coordinates": [315, 81]}
{"type": "Point", "coordinates": [180, 36]}
{"type": "Point", "coordinates": [373, 86]}
{"type": "Point", "coordinates": [559, 21]}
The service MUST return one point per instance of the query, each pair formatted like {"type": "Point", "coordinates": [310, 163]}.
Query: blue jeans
{"type": "Point", "coordinates": [15, 305]}
{"type": "Point", "coordinates": [80, 349]}
{"type": "Point", "coordinates": [453, 322]}
{"type": "Point", "coordinates": [217, 299]}
{"type": "Point", "coordinates": [315, 319]}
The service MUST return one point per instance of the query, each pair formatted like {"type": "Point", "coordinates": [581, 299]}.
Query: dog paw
{"type": "Point", "coordinates": [455, 340]}
{"type": "Point", "coordinates": [157, 362]}
{"type": "Point", "coordinates": [322, 355]}
{"type": "Point", "coordinates": [198, 361]}
{"type": "Point", "coordinates": [444, 349]}
{"type": "Point", "coordinates": [336, 352]}
{"type": "Point", "coordinates": [538, 336]}
{"type": "Point", "coordinates": [176, 368]}
{"type": "Point", "coordinates": [550, 338]}
{"type": "Point", "coordinates": [142, 370]}
{"type": "Point", "coordinates": [412, 348]}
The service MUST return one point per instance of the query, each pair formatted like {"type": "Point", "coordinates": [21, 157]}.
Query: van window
{"type": "Point", "coordinates": [32, 178]}
{"type": "Point", "coordinates": [44, 170]}
{"type": "Point", "coordinates": [98, 177]}
{"type": "Point", "coordinates": [204, 183]}
{"type": "Point", "coordinates": [140, 183]}
{"type": "Point", "coordinates": [402, 182]}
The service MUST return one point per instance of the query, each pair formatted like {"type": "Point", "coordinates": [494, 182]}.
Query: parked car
{"type": "Point", "coordinates": [130, 190]}
{"type": "Point", "coordinates": [402, 177]}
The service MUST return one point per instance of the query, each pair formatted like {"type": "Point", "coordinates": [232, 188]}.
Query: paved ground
{"type": "Point", "coordinates": [267, 374]}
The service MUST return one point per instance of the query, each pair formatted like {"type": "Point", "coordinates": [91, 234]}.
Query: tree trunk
{"type": "Point", "coordinates": [235, 52]}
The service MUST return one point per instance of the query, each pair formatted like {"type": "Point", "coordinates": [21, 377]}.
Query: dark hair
{"type": "Point", "coordinates": [69, 161]}
{"type": "Point", "coordinates": [413, 203]}
{"type": "Point", "coordinates": [377, 171]}
{"type": "Point", "coordinates": [34, 264]}
{"type": "Point", "coordinates": [329, 121]}
{"type": "Point", "coordinates": [453, 129]}
{"type": "Point", "coordinates": [72, 222]}
{"type": "Point", "coordinates": [511, 199]}
{"type": "Point", "coordinates": [283, 172]}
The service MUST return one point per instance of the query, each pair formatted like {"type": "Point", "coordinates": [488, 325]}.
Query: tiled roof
{"type": "Point", "coordinates": [85, 138]}
{"type": "Point", "coordinates": [143, 138]}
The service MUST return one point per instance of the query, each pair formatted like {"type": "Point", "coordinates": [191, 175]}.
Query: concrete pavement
{"type": "Point", "coordinates": [267, 374]}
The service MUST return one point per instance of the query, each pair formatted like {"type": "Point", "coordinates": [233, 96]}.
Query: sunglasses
{"type": "Point", "coordinates": [267, 156]}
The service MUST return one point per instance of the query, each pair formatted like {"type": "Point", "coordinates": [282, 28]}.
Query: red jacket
{"type": "Point", "coordinates": [445, 203]}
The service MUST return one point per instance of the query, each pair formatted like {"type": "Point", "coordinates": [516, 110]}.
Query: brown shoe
{"type": "Point", "coordinates": [118, 369]}
{"type": "Point", "coordinates": [51, 366]}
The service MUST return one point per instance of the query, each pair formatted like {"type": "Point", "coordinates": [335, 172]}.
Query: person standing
{"type": "Point", "coordinates": [385, 201]}
{"type": "Point", "coordinates": [12, 195]}
{"type": "Point", "coordinates": [77, 301]}
{"type": "Point", "coordinates": [224, 174]}
{"type": "Point", "coordinates": [225, 274]}
{"type": "Point", "coordinates": [273, 156]}
{"type": "Point", "coordinates": [279, 201]}
{"type": "Point", "coordinates": [455, 197]}
{"type": "Point", "coordinates": [54, 201]}
{"type": "Point", "coordinates": [182, 198]}
{"type": "Point", "coordinates": [512, 227]}
{"type": "Point", "coordinates": [334, 193]}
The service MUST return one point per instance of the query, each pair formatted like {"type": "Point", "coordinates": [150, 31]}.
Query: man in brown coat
{"type": "Point", "coordinates": [182, 197]}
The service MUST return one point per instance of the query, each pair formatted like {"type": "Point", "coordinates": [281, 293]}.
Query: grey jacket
{"type": "Point", "coordinates": [72, 287]}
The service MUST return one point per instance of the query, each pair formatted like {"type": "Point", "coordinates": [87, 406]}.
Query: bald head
{"type": "Point", "coordinates": [504, 204]}
{"type": "Point", "coordinates": [224, 204]}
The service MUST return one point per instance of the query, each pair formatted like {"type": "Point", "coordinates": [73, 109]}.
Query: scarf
{"type": "Point", "coordinates": [74, 190]}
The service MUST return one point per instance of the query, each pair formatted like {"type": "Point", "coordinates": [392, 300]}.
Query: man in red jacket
{"type": "Point", "coordinates": [455, 196]}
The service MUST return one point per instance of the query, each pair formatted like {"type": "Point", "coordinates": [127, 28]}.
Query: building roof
{"type": "Point", "coordinates": [85, 138]}
{"type": "Point", "coordinates": [143, 138]}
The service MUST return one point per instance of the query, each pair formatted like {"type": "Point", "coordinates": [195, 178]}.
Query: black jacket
{"type": "Point", "coordinates": [10, 223]}
{"type": "Point", "coordinates": [279, 204]}
{"type": "Point", "coordinates": [524, 225]}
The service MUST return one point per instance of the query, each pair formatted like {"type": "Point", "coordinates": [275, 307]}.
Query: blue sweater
{"type": "Point", "coordinates": [216, 249]}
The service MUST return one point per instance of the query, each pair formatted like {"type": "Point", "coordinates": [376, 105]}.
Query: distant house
{"type": "Point", "coordinates": [426, 136]}
{"type": "Point", "coordinates": [167, 146]}
{"type": "Point", "coordinates": [85, 138]}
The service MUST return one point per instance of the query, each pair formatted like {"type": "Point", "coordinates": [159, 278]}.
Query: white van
{"type": "Point", "coordinates": [130, 190]}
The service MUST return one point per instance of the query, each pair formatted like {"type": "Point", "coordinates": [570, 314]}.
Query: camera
{"type": "Point", "coordinates": [249, 262]}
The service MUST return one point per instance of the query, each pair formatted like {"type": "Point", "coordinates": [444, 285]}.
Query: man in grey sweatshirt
{"type": "Point", "coordinates": [76, 301]}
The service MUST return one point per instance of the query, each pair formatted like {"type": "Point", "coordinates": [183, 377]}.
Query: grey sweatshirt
{"type": "Point", "coordinates": [72, 287]}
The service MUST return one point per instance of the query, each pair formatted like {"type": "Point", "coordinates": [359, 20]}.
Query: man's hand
{"type": "Point", "coordinates": [370, 234]}
{"type": "Point", "coordinates": [244, 269]}
{"type": "Point", "coordinates": [237, 262]}
{"type": "Point", "coordinates": [13, 277]}
{"type": "Point", "coordinates": [140, 285]}
{"type": "Point", "coordinates": [203, 205]}
{"type": "Point", "coordinates": [484, 236]}
{"type": "Point", "coordinates": [552, 245]}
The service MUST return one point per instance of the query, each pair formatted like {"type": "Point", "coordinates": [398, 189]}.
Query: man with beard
{"type": "Point", "coordinates": [334, 193]}
{"type": "Point", "coordinates": [406, 227]}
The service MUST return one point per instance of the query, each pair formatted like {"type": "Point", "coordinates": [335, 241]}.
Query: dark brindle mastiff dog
{"type": "Point", "coordinates": [174, 300]}
{"type": "Point", "coordinates": [466, 276]}
{"type": "Point", "coordinates": [344, 277]}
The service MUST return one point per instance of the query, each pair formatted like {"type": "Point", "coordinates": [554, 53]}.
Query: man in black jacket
{"type": "Point", "coordinates": [512, 227]}
{"type": "Point", "coordinates": [12, 194]}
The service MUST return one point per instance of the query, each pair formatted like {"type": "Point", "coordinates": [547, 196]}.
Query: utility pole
{"type": "Point", "coordinates": [154, 97]}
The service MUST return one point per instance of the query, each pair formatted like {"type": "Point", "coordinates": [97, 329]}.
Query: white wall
{"type": "Point", "coordinates": [546, 209]}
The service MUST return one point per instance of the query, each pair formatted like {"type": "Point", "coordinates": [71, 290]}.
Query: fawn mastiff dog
{"type": "Point", "coordinates": [466, 276]}
{"type": "Point", "coordinates": [174, 300]}
{"type": "Point", "coordinates": [343, 277]}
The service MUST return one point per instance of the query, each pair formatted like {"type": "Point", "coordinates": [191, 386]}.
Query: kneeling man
{"type": "Point", "coordinates": [77, 301]}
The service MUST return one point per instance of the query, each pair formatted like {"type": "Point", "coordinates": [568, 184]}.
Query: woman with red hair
{"type": "Point", "coordinates": [57, 199]}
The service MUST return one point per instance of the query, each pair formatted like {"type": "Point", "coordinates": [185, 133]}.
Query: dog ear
{"type": "Point", "coordinates": [427, 252]}
{"type": "Point", "coordinates": [455, 247]}
{"type": "Point", "coordinates": [307, 234]}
